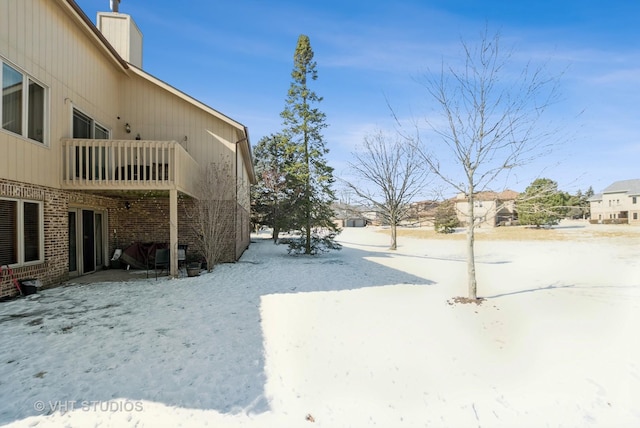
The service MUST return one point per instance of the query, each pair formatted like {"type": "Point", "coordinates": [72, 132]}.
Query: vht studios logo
{"type": "Point", "coordinates": [88, 406]}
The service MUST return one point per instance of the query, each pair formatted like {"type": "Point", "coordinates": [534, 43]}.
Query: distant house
{"type": "Point", "coordinates": [619, 203]}
{"type": "Point", "coordinates": [422, 213]}
{"type": "Point", "coordinates": [490, 208]}
{"type": "Point", "coordinates": [97, 154]}
{"type": "Point", "coordinates": [346, 215]}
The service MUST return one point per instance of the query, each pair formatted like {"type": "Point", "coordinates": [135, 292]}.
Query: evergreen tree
{"type": "Point", "coordinates": [589, 193]}
{"type": "Point", "coordinates": [446, 219]}
{"type": "Point", "coordinates": [579, 205]}
{"type": "Point", "coordinates": [271, 196]}
{"type": "Point", "coordinates": [311, 178]}
{"type": "Point", "coordinates": [542, 203]}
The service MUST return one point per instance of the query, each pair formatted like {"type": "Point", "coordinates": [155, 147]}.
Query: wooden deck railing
{"type": "Point", "coordinates": [127, 164]}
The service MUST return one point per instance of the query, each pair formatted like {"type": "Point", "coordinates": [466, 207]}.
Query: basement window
{"type": "Point", "coordinates": [21, 232]}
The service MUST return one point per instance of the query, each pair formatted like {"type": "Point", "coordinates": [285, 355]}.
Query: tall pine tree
{"type": "Point", "coordinates": [312, 191]}
{"type": "Point", "coordinates": [272, 194]}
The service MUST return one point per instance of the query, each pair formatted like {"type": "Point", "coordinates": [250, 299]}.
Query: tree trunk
{"type": "Point", "coordinates": [275, 234]}
{"type": "Point", "coordinates": [471, 260]}
{"type": "Point", "coordinates": [394, 234]}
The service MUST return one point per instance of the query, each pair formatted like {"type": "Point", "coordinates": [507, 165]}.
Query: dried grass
{"type": "Point", "coordinates": [521, 233]}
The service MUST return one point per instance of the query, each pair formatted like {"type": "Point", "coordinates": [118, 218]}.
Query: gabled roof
{"type": "Point", "coordinates": [630, 187]}
{"type": "Point", "coordinates": [98, 38]}
{"type": "Point", "coordinates": [92, 31]}
{"type": "Point", "coordinates": [488, 195]}
{"type": "Point", "coordinates": [595, 198]}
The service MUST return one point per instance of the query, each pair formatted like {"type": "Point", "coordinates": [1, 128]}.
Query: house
{"type": "Point", "coordinates": [346, 215]}
{"type": "Point", "coordinates": [490, 208]}
{"type": "Point", "coordinates": [422, 213]}
{"type": "Point", "coordinates": [618, 203]}
{"type": "Point", "coordinates": [97, 154]}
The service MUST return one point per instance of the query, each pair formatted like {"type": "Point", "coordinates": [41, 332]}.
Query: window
{"type": "Point", "coordinates": [86, 127]}
{"type": "Point", "coordinates": [634, 200]}
{"type": "Point", "coordinates": [21, 232]}
{"type": "Point", "coordinates": [23, 104]}
{"type": "Point", "coordinates": [635, 216]}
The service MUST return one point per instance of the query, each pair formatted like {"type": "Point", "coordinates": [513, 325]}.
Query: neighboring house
{"type": "Point", "coordinates": [422, 213]}
{"type": "Point", "coordinates": [95, 153]}
{"type": "Point", "coordinates": [618, 203]}
{"type": "Point", "coordinates": [346, 215]}
{"type": "Point", "coordinates": [490, 208]}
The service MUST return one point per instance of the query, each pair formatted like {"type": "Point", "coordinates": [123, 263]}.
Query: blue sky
{"type": "Point", "coordinates": [237, 56]}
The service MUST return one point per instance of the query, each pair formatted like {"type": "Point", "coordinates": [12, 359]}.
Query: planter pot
{"type": "Point", "coordinates": [29, 286]}
{"type": "Point", "coordinates": [193, 269]}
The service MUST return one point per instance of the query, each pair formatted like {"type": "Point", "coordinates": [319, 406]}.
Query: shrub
{"type": "Point", "coordinates": [446, 219]}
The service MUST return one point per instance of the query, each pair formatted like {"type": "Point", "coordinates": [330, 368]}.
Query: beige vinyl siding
{"type": "Point", "coordinates": [157, 114]}
{"type": "Point", "coordinates": [41, 41]}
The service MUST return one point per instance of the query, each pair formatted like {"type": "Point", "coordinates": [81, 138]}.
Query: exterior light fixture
{"type": "Point", "coordinates": [127, 128]}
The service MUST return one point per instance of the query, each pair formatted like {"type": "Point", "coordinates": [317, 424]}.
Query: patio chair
{"type": "Point", "coordinates": [162, 260]}
{"type": "Point", "coordinates": [182, 255]}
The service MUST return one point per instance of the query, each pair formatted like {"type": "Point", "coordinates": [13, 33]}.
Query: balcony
{"type": "Point", "coordinates": [127, 165]}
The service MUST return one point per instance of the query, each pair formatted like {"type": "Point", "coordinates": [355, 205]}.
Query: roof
{"type": "Point", "coordinates": [103, 43]}
{"type": "Point", "coordinates": [595, 198]}
{"type": "Point", "coordinates": [243, 139]}
{"type": "Point", "coordinates": [96, 36]}
{"type": "Point", "coordinates": [505, 195]}
{"type": "Point", "coordinates": [630, 187]}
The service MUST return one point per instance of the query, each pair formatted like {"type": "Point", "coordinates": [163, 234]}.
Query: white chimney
{"type": "Point", "coordinates": [123, 34]}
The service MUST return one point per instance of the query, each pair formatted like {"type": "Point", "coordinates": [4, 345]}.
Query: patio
{"type": "Point", "coordinates": [120, 275]}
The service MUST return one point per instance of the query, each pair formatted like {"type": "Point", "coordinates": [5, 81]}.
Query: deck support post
{"type": "Point", "coordinates": [173, 231]}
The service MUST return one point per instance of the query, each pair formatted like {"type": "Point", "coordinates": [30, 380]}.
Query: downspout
{"type": "Point", "coordinates": [235, 249]}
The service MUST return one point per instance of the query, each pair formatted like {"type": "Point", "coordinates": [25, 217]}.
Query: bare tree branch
{"type": "Point", "coordinates": [492, 123]}
{"type": "Point", "coordinates": [390, 176]}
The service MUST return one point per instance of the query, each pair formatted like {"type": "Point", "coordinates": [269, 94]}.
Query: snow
{"type": "Point", "coordinates": [360, 337]}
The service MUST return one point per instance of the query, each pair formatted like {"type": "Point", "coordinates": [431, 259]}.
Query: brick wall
{"type": "Point", "coordinates": [147, 220]}
{"type": "Point", "coordinates": [131, 218]}
{"type": "Point", "coordinates": [54, 269]}
{"type": "Point", "coordinates": [187, 234]}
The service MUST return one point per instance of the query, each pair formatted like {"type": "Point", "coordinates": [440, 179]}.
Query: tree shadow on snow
{"type": "Point", "coordinates": [461, 260]}
{"type": "Point", "coordinates": [186, 343]}
{"type": "Point", "coordinates": [531, 290]}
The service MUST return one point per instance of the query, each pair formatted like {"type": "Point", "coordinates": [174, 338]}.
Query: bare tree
{"type": "Point", "coordinates": [212, 213]}
{"type": "Point", "coordinates": [492, 124]}
{"type": "Point", "coordinates": [389, 176]}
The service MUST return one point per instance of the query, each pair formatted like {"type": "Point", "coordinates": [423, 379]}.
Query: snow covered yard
{"type": "Point", "coordinates": [361, 337]}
